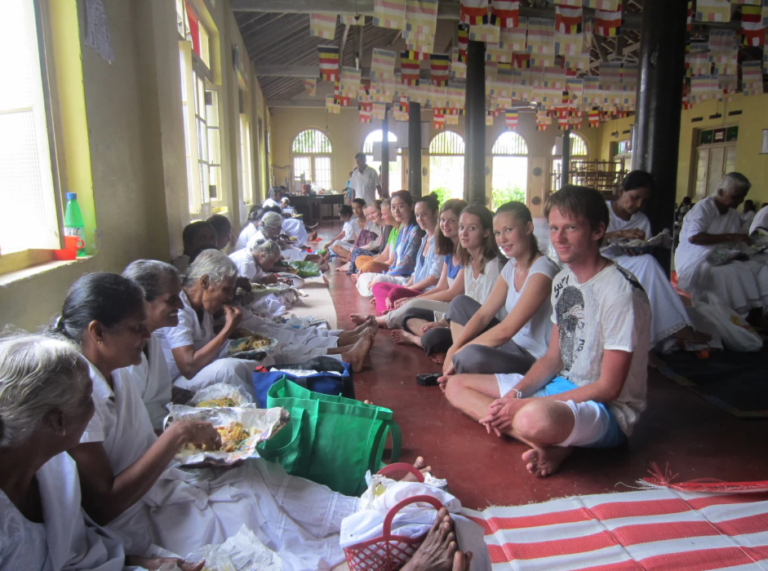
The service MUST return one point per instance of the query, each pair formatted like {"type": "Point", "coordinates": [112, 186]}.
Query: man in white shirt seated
{"type": "Point", "coordinates": [589, 388]}
{"type": "Point", "coordinates": [714, 224]}
{"type": "Point", "coordinates": [364, 180]}
{"type": "Point", "coordinates": [760, 220]}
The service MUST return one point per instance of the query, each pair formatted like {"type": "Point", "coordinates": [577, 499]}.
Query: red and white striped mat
{"type": "Point", "coordinates": [660, 529]}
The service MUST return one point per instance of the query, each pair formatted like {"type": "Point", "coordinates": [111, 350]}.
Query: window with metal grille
{"type": "Point", "coordinates": [447, 143]}
{"type": "Point", "coordinates": [510, 144]}
{"type": "Point", "coordinates": [312, 158]}
{"type": "Point", "coordinates": [578, 147]}
{"type": "Point", "coordinates": [395, 162]}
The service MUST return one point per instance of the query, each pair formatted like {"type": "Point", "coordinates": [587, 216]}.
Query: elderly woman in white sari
{"type": "Point", "coordinates": [271, 228]}
{"type": "Point", "coordinates": [194, 353]}
{"type": "Point", "coordinates": [45, 405]}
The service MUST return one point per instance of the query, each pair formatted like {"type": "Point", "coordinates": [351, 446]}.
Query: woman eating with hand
{"type": "Point", "coordinates": [257, 261]}
{"type": "Point", "coordinates": [483, 345]}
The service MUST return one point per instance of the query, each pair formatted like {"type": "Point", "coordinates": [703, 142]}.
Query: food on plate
{"type": "Point", "coordinates": [253, 343]}
{"type": "Point", "coordinates": [215, 403]}
{"type": "Point", "coordinates": [233, 436]}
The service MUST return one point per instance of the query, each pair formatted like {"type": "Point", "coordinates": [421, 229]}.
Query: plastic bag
{"type": "Point", "coordinates": [217, 392]}
{"type": "Point", "coordinates": [241, 552]}
{"type": "Point", "coordinates": [736, 334]}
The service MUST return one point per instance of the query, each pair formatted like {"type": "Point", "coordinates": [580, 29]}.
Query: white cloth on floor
{"type": "Point", "coordinates": [295, 345]}
{"type": "Point", "coordinates": [637, 221]}
{"type": "Point", "coordinates": [610, 311]}
{"type": "Point", "coordinates": [740, 285]}
{"type": "Point", "coordinates": [153, 381]}
{"type": "Point", "coordinates": [67, 540]}
{"type": "Point", "coordinates": [192, 331]}
{"type": "Point", "coordinates": [184, 510]}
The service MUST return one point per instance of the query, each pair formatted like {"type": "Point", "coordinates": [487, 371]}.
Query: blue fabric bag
{"type": "Point", "coordinates": [326, 381]}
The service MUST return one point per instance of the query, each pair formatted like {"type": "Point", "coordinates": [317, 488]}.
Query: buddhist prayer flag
{"type": "Point", "coordinates": [505, 13]}
{"type": "Point", "coordinates": [488, 119]}
{"type": "Point", "coordinates": [458, 67]}
{"type": "Point", "coordinates": [379, 111]}
{"type": "Point", "coordinates": [713, 10]}
{"type": "Point", "coordinates": [705, 88]}
{"type": "Point", "coordinates": [608, 22]}
{"type": "Point", "coordinates": [349, 84]}
{"type": "Point", "coordinates": [752, 28]}
{"type": "Point", "coordinates": [310, 85]}
{"type": "Point", "coordinates": [389, 14]}
{"type": "Point", "coordinates": [752, 78]}
{"type": "Point", "coordinates": [724, 51]}
{"type": "Point", "coordinates": [568, 19]}
{"type": "Point", "coordinates": [521, 61]}
{"type": "Point", "coordinates": [698, 64]}
{"type": "Point", "coordinates": [329, 62]}
{"type": "Point", "coordinates": [366, 110]}
{"type": "Point", "coordinates": [383, 64]}
{"type": "Point", "coordinates": [727, 84]}
{"type": "Point", "coordinates": [410, 67]}
{"type": "Point", "coordinates": [438, 119]}
{"type": "Point", "coordinates": [420, 25]}
{"type": "Point", "coordinates": [474, 12]}
{"type": "Point", "coordinates": [487, 33]}
{"type": "Point", "coordinates": [594, 118]}
{"type": "Point", "coordinates": [578, 61]}
{"type": "Point", "coordinates": [463, 41]}
{"type": "Point", "coordinates": [568, 44]}
{"type": "Point", "coordinates": [609, 5]}
{"type": "Point", "coordinates": [331, 105]}
{"type": "Point", "coordinates": [515, 39]}
{"type": "Point", "coordinates": [511, 120]}
{"type": "Point", "coordinates": [543, 120]}
{"type": "Point", "coordinates": [498, 52]}
{"type": "Point", "coordinates": [440, 66]}
{"type": "Point", "coordinates": [322, 26]}
{"type": "Point", "coordinates": [541, 36]}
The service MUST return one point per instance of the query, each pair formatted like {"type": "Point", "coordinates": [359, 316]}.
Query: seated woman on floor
{"type": "Point", "coordinates": [444, 265]}
{"type": "Point", "coordinates": [353, 223]}
{"type": "Point", "coordinates": [270, 228]}
{"type": "Point", "coordinates": [274, 196]}
{"type": "Point", "coordinates": [481, 343]}
{"type": "Point", "coordinates": [196, 237]}
{"type": "Point", "coordinates": [370, 239]}
{"type": "Point", "coordinates": [668, 314]}
{"type": "Point", "coordinates": [193, 352]}
{"type": "Point", "coordinates": [45, 405]}
{"type": "Point", "coordinates": [386, 293]}
{"type": "Point", "coordinates": [223, 228]}
{"type": "Point", "coordinates": [256, 262]}
{"type": "Point", "coordinates": [481, 263]}
{"type": "Point", "coordinates": [406, 246]}
{"type": "Point", "coordinates": [126, 471]}
{"type": "Point", "coordinates": [378, 252]}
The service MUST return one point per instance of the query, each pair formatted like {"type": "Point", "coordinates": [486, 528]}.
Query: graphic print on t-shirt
{"type": "Point", "coordinates": [570, 323]}
{"type": "Point", "coordinates": [630, 277]}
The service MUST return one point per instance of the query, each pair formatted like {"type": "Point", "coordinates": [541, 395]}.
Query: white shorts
{"type": "Point", "coordinates": [595, 425]}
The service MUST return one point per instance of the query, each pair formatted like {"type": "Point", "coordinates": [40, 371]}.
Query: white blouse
{"type": "Point", "coordinates": [480, 288]}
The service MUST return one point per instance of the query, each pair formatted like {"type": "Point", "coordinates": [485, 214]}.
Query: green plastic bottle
{"type": "Point", "coordinates": [73, 221]}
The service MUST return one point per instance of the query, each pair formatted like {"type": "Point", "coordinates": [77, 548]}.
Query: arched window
{"type": "Point", "coordinates": [446, 165]}
{"type": "Point", "coordinates": [395, 161]}
{"type": "Point", "coordinates": [311, 151]}
{"type": "Point", "coordinates": [509, 174]}
{"type": "Point", "coordinates": [579, 152]}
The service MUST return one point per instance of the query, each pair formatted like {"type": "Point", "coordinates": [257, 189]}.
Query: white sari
{"type": "Point", "coordinates": [298, 519]}
{"type": "Point", "coordinates": [67, 540]}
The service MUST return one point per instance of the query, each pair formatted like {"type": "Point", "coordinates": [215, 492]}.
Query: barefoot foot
{"type": "Point", "coordinates": [402, 337]}
{"type": "Point", "coordinates": [543, 462]}
{"type": "Point", "coordinates": [438, 358]}
{"type": "Point", "coordinates": [359, 318]}
{"type": "Point", "coordinates": [356, 355]}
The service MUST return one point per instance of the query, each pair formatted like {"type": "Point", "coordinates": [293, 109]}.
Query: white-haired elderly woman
{"type": "Point", "coordinates": [45, 406]}
{"type": "Point", "coordinates": [270, 228]}
{"type": "Point", "coordinates": [129, 481]}
{"type": "Point", "coordinates": [257, 260]}
{"type": "Point", "coordinates": [193, 352]}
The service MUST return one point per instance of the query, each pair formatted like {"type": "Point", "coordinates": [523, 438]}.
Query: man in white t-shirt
{"type": "Point", "coordinates": [588, 389]}
{"type": "Point", "coordinates": [364, 180]}
{"type": "Point", "coordinates": [715, 224]}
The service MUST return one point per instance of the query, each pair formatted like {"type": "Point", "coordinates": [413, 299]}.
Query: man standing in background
{"type": "Point", "coordinates": [364, 180]}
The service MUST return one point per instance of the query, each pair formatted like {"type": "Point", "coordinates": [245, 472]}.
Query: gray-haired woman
{"type": "Point", "coordinates": [193, 352]}
{"type": "Point", "coordinates": [45, 405]}
{"type": "Point", "coordinates": [256, 260]}
{"type": "Point", "coordinates": [271, 228]}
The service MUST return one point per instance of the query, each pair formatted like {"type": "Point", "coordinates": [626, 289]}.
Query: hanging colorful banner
{"type": "Point", "coordinates": [705, 87]}
{"type": "Point", "coordinates": [594, 118]}
{"type": "Point", "coordinates": [521, 61]}
{"type": "Point", "coordinates": [322, 26]}
{"type": "Point", "coordinates": [568, 20]}
{"type": "Point", "coordinates": [331, 106]}
{"type": "Point", "coordinates": [511, 120]}
{"type": "Point", "coordinates": [608, 22]}
{"type": "Point", "coordinates": [458, 67]}
{"type": "Point", "coordinates": [577, 120]}
{"type": "Point", "coordinates": [713, 10]}
{"type": "Point", "coordinates": [420, 25]}
{"type": "Point", "coordinates": [505, 13]}
{"type": "Point", "coordinates": [474, 12]}
{"type": "Point", "coordinates": [352, 19]}
{"type": "Point", "coordinates": [724, 51]}
{"type": "Point", "coordinates": [752, 28]}
{"type": "Point", "coordinates": [439, 65]}
{"type": "Point", "coordinates": [383, 64]}
{"type": "Point", "coordinates": [463, 41]}
{"type": "Point", "coordinates": [329, 62]}
{"type": "Point", "coordinates": [578, 61]}
{"type": "Point", "coordinates": [310, 85]}
{"type": "Point", "coordinates": [498, 52]}
{"type": "Point", "coordinates": [410, 67]}
{"type": "Point", "coordinates": [389, 14]}
{"type": "Point", "coordinates": [543, 120]}
{"type": "Point", "coordinates": [727, 84]}
{"type": "Point", "coordinates": [349, 84]}
{"type": "Point", "coordinates": [515, 39]}
{"type": "Point", "coordinates": [194, 28]}
{"type": "Point", "coordinates": [568, 44]}
{"type": "Point", "coordinates": [379, 111]}
{"type": "Point", "coordinates": [366, 111]}
{"type": "Point", "coordinates": [340, 98]}
{"type": "Point", "coordinates": [487, 33]}
{"type": "Point", "coordinates": [541, 41]}
{"type": "Point", "coordinates": [752, 78]}
{"type": "Point", "coordinates": [698, 64]}
{"type": "Point", "coordinates": [438, 119]}
{"type": "Point", "coordinates": [488, 119]}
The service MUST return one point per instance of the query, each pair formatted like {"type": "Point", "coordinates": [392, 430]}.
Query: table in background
{"type": "Point", "coordinates": [311, 207]}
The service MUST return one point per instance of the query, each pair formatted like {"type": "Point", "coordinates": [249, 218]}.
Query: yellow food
{"type": "Point", "coordinates": [232, 436]}
{"type": "Point", "coordinates": [213, 403]}
{"type": "Point", "coordinates": [253, 343]}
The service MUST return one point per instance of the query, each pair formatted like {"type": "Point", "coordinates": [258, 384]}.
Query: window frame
{"type": "Point", "coordinates": [30, 257]}
{"type": "Point", "coordinates": [312, 156]}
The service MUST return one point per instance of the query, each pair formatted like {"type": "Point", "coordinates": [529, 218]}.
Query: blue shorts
{"type": "Point", "coordinates": [595, 424]}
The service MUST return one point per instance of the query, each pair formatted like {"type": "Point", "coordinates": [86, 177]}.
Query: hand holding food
{"type": "Point", "coordinates": [199, 433]}
{"type": "Point", "coordinates": [232, 316]}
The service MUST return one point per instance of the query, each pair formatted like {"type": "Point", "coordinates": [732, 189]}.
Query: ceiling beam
{"type": "Point", "coordinates": [313, 72]}
{"type": "Point", "coordinates": [314, 103]}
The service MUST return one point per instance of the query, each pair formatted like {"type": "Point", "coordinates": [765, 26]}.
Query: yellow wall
{"type": "Point", "coordinates": [749, 161]}
{"type": "Point", "coordinates": [135, 144]}
{"type": "Point", "coordinates": [347, 136]}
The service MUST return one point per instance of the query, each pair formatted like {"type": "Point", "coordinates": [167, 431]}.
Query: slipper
{"type": "Point", "coordinates": [428, 379]}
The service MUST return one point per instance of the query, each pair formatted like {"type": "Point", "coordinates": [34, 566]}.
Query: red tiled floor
{"type": "Point", "coordinates": [696, 439]}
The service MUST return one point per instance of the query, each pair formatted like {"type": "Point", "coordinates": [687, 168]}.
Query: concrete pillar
{"type": "Point", "coordinates": [414, 149]}
{"type": "Point", "coordinates": [474, 142]}
{"type": "Point", "coordinates": [385, 155]}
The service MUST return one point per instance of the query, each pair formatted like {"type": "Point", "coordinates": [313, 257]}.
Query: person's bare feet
{"type": "Point", "coordinates": [356, 355]}
{"type": "Point", "coordinates": [543, 462]}
{"type": "Point", "coordinates": [360, 318]}
{"type": "Point", "coordinates": [438, 551]}
{"type": "Point", "coordinates": [312, 236]}
{"type": "Point", "coordinates": [402, 337]}
{"type": "Point", "coordinates": [438, 358]}
{"type": "Point", "coordinates": [354, 278]}
{"type": "Point", "coordinates": [343, 268]}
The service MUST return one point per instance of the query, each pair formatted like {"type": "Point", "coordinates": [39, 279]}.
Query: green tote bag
{"type": "Point", "coordinates": [329, 440]}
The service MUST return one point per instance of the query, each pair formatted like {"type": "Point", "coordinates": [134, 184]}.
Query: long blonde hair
{"type": "Point", "coordinates": [489, 249]}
